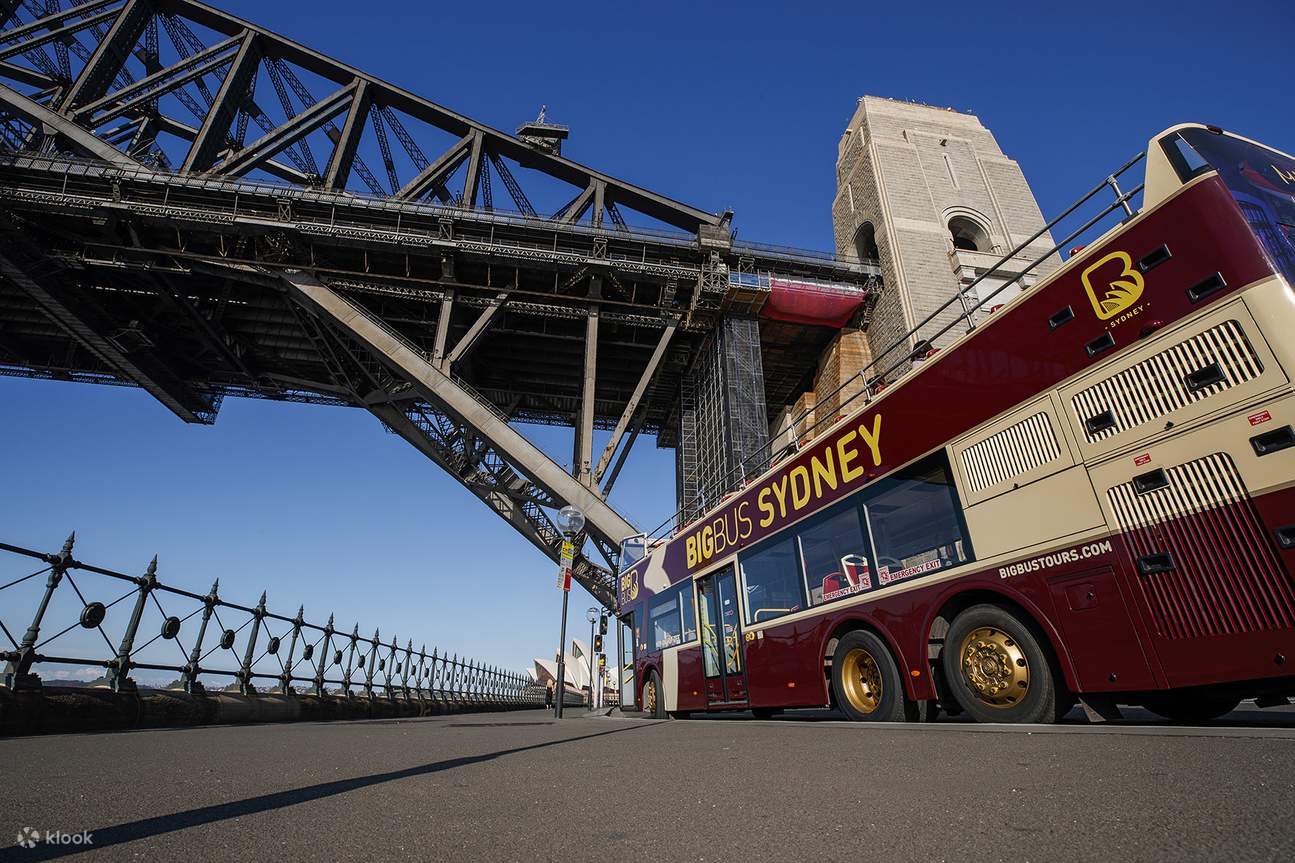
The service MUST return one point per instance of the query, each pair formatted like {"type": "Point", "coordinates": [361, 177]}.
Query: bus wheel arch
{"type": "Point", "coordinates": [957, 602]}
{"type": "Point", "coordinates": [652, 677]}
{"type": "Point", "coordinates": [998, 664]}
{"type": "Point", "coordinates": [854, 624]}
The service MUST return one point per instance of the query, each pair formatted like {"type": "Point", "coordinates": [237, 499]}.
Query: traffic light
{"type": "Point", "coordinates": [598, 644]}
{"type": "Point", "coordinates": [602, 625]}
{"type": "Point", "coordinates": [602, 663]}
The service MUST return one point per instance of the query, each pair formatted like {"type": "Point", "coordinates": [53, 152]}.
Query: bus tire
{"type": "Point", "coordinates": [865, 679]}
{"type": "Point", "coordinates": [653, 697]}
{"type": "Point", "coordinates": [1191, 706]}
{"type": "Point", "coordinates": [998, 670]}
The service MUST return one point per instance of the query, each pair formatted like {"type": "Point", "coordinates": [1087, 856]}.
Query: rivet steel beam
{"type": "Point", "coordinates": [84, 142]}
{"type": "Point", "coordinates": [439, 388]}
{"type": "Point", "coordinates": [104, 65]}
{"type": "Point", "coordinates": [211, 137]}
{"type": "Point", "coordinates": [255, 154]}
{"type": "Point", "coordinates": [339, 166]}
{"type": "Point", "coordinates": [631, 407]}
{"type": "Point", "coordinates": [88, 327]}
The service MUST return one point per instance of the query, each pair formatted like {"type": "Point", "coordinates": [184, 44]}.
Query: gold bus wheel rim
{"type": "Point", "coordinates": [649, 696]}
{"type": "Point", "coordinates": [861, 680]}
{"type": "Point", "coordinates": [995, 667]}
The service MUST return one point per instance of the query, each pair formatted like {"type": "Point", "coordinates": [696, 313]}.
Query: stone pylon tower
{"type": "Point", "coordinates": [928, 192]}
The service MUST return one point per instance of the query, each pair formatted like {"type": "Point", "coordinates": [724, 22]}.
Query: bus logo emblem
{"type": "Point", "coordinates": [1119, 292]}
{"type": "Point", "coordinates": [630, 586]}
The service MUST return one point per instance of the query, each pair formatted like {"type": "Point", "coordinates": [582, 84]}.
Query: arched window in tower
{"type": "Point", "coordinates": [968, 235]}
{"type": "Point", "coordinates": [865, 243]}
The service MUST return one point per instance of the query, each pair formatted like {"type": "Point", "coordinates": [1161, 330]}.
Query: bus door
{"type": "Point", "coordinates": [625, 638]}
{"type": "Point", "coordinates": [721, 639]}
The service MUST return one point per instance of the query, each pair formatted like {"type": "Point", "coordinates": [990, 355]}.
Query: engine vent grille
{"type": "Point", "coordinates": [1213, 569]}
{"type": "Point", "coordinates": [1168, 381]}
{"type": "Point", "coordinates": [1009, 453]}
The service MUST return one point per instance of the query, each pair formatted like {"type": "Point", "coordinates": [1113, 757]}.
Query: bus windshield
{"type": "Point", "coordinates": [1261, 180]}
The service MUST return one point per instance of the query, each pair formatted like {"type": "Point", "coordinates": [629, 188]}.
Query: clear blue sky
{"type": "Point", "coordinates": [717, 104]}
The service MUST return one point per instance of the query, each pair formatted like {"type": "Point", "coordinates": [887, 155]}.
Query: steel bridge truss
{"type": "Point", "coordinates": [187, 206]}
{"type": "Point", "coordinates": [182, 85]}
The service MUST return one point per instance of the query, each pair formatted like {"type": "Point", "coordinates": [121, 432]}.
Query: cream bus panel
{"type": "Point", "coordinates": [1272, 304]}
{"type": "Point", "coordinates": [1259, 474]}
{"type": "Point", "coordinates": [1026, 445]}
{"type": "Point", "coordinates": [1060, 505]}
{"type": "Point", "coordinates": [1192, 372]}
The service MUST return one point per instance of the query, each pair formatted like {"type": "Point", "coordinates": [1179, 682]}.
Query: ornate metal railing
{"type": "Point", "coordinates": [158, 627]}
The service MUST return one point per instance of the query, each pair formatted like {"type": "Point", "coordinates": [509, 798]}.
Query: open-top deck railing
{"type": "Point", "coordinates": [247, 648]}
{"type": "Point", "coordinates": [901, 350]}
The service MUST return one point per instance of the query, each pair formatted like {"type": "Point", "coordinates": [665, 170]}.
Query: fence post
{"type": "Point", "coordinates": [323, 658]}
{"type": "Point", "coordinates": [409, 661]}
{"type": "Point", "coordinates": [420, 674]}
{"type": "Point", "coordinates": [17, 671]}
{"type": "Point", "coordinates": [119, 669]}
{"type": "Point", "coordinates": [245, 671]}
{"type": "Point", "coordinates": [391, 668]}
{"type": "Point", "coordinates": [285, 681]}
{"type": "Point", "coordinates": [350, 660]}
{"type": "Point", "coordinates": [434, 679]}
{"type": "Point", "coordinates": [189, 678]}
{"type": "Point", "coordinates": [372, 666]}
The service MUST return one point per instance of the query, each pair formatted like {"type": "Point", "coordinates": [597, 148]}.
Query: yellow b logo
{"type": "Point", "coordinates": [630, 586]}
{"type": "Point", "coordinates": [1120, 291]}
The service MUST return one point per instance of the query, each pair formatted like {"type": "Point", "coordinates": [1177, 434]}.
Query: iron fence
{"type": "Point", "coordinates": [77, 605]}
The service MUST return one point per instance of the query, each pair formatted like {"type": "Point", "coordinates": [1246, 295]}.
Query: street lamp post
{"type": "Point", "coordinates": [570, 521]}
{"type": "Point", "coordinates": [592, 615]}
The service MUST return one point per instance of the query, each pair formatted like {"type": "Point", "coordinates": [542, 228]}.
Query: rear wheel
{"type": "Point", "coordinates": [998, 670]}
{"type": "Point", "coordinates": [865, 679]}
{"type": "Point", "coordinates": [653, 699]}
{"type": "Point", "coordinates": [1191, 706]}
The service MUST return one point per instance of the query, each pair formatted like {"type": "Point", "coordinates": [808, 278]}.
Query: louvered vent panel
{"type": "Point", "coordinates": [1007, 454]}
{"type": "Point", "coordinates": [1226, 577]}
{"type": "Point", "coordinates": [1157, 385]}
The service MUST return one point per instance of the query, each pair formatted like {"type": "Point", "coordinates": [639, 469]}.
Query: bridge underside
{"type": "Point", "coordinates": [140, 248]}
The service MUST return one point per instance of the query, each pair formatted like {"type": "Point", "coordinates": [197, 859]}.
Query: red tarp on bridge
{"type": "Point", "coordinates": [814, 303]}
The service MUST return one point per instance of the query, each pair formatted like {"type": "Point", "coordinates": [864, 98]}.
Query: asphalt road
{"type": "Point", "coordinates": [519, 787]}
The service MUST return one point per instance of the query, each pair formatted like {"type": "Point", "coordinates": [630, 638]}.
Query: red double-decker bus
{"type": "Point", "coordinates": [1088, 497]}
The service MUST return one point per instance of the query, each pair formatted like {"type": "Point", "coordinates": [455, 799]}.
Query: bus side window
{"type": "Point", "coordinates": [663, 622]}
{"type": "Point", "coordinates": [836, 557]}
{"type": "Point", "coordinates": [916, 523]}
{"type": "Point", "coordinates": [774, 586]}
{"type": "Point", "coordinates": [687, 611]}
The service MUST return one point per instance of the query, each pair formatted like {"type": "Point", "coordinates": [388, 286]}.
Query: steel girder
{"type": "Point", "coordinates": [114, 35]}
{"type": "Point", "coordinates": [115, 91]}
{"type": "Point", "coordinates": [128, 352]}
{"type": "Point", "coordinates": [458, 430]}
